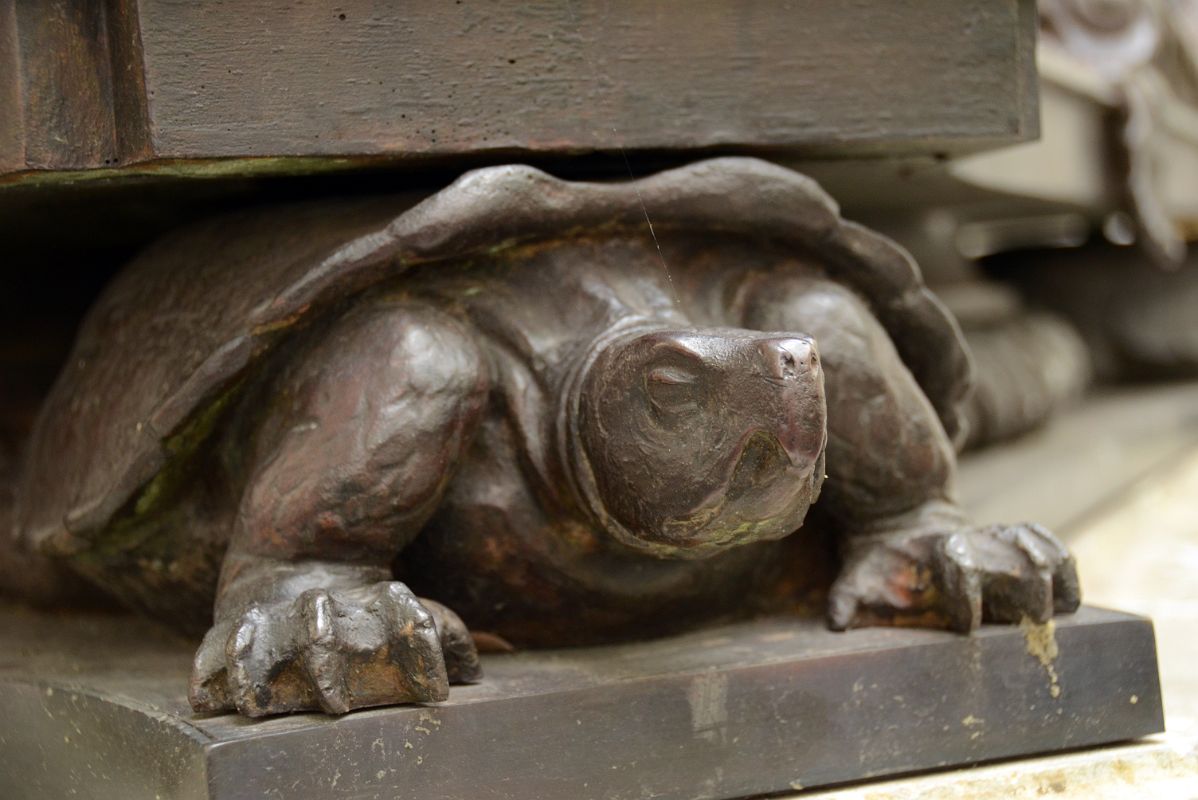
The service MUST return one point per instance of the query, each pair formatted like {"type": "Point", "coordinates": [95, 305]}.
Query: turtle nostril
{"type": "Point", "coordinates": [789, 357]}
{"type": "Point", "coordinates": [788, 364]}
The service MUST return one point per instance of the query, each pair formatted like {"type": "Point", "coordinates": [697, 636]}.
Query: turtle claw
{"type": "Point", "coordinates": [334, 651]}
{"type": "Point", "coordinates": [462, 663]}
{"type": "Point", "coordinates": [1003, 573]}
{"type": "Point", "coordinates": [957, 580]}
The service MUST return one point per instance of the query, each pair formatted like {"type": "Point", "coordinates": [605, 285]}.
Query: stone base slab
{"type": "Point", "coordinates": [96, 706]}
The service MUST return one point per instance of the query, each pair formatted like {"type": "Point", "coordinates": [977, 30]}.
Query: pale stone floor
{"type": "Point", "coordinates": [1138, 552]}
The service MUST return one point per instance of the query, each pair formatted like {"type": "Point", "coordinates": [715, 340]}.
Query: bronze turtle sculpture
{"type": "Point", "coordinates": [564, 424]}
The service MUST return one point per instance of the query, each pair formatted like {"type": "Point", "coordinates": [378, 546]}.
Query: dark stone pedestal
{"type": "Point", "coordinates": [95, 707]}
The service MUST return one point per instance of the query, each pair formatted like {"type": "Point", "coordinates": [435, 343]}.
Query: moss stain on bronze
{"type": "Point", "coordinates": [140, 524]}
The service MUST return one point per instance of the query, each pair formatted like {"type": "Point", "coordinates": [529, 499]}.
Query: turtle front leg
{"type": "Point", "coordinates": [910, 554]}
{"type": "Point", "coordinates": [365, 430]}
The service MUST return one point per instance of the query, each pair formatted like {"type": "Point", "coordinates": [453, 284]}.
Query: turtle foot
{"type": "Point", "coordinates": [954, 578]}
{"type": "Point", "coordinates": [333, 651]}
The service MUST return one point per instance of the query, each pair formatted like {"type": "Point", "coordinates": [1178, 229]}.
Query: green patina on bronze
{"type": "Point", "coordinates": [195, 169]}
{"type": "Point", "coordinates": [143, 526]}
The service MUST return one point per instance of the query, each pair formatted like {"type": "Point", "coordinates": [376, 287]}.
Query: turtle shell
{"type": "Point", "coordinates": [185, 320]}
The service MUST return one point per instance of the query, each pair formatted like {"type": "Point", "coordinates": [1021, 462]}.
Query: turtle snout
{"type": "Point", "coordinates": [797, 420]}
{"type": "Point", "coordinates": [789, 358]}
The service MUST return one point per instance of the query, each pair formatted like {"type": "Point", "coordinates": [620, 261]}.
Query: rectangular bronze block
{"type": "Point", "coordinates": [97, 706]}
{"type": "Point", "coordinates": [253, 87]}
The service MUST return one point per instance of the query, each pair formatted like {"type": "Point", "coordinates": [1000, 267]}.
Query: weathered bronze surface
{"type": "Point", "coordinates": [529, 405]}
{"type": "Point", "coordinates": [98, 709]}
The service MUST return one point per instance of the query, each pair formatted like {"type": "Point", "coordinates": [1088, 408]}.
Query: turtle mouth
{"type": "Point", "coordinates": [766, 494]}
{"type": "Point", "coordinates": [763, 459]}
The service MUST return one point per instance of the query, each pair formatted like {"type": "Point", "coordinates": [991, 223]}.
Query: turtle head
{"type": "Point", "coordinates": [694, 441]}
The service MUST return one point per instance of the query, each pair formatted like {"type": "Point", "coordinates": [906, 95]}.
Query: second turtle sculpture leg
{"type": "Point", "coordinates": [361, 436]}
{"type": "Point", "coordinates": [910, 555]}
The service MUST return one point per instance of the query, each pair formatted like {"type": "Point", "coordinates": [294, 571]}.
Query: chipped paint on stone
{"type": "Point", "coordinates": [708, 699]}
{"type": "Point", "coordinates": [1042, 645]}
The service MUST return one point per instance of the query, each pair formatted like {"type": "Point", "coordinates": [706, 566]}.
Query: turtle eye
{"type": "Point", "coordinates": [673, 390]}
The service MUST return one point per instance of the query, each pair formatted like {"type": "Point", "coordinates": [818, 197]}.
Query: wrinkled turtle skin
{"type": "Point", "coordinates": [313, 431]}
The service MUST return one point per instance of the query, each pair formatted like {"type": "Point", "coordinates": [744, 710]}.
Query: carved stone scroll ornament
{"type": "Point", "coordinates": [504, 396]}
{"type": "Point", "coordinates": [1147, 51]}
